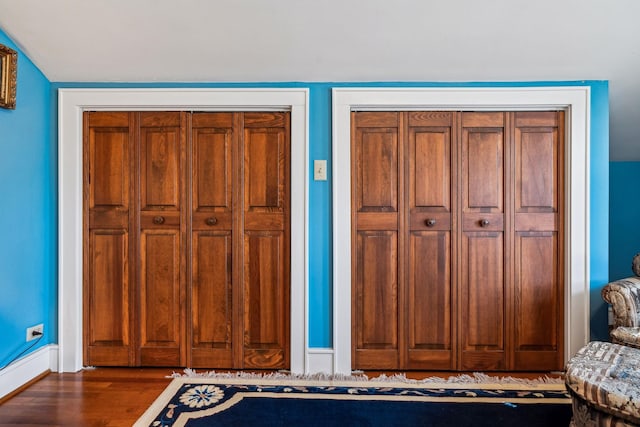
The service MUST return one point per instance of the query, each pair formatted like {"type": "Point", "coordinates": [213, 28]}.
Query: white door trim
{"type": "Point", "coordinates": [574, 99]}
{"type": "Point", "coordinates": [72, 103]}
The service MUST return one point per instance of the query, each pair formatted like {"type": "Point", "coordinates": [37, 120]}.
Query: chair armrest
{"type": "Point", "coordinates": [624, 297]}
{"type": "Point", "coordinates": [629, 336]}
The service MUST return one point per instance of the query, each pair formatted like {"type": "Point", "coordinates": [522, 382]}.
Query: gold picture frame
{"type": "Point", "coordinates": [8, 77]}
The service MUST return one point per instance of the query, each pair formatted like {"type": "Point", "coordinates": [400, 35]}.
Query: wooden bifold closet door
{"type": "Point", "coordinates": [457, 253]}
{"type": "Point", "coordinates": [186, 247]}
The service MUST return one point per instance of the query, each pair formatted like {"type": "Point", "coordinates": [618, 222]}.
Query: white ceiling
{"type": "Point", "coordinates": [340, 40]}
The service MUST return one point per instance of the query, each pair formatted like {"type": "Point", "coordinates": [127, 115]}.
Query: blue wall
{"type": "Point", "coordinates": [28, 167]}
{"type": "Point", "coordinates": [599, 215]}
{"type": "Point", "coordinates": [28, 191]}
{"type": "Point", "coordinates": [624, 215]}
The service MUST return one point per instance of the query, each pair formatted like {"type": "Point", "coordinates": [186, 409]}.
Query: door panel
{"type": "Point", "coordinates": [265, 169]}
{"type": "Point", "coordinates": [536, 172]}
{"type": "Point", "coordinates": [160, 300]}
{"type": "Point", "coordinates": [482, 302]}
{"type": "Point", "coordinates": [212, 281]}
{"type": "Point", "coordinates": [107, 290]}
{"type": "Point", "coordinates": [483, 286]}
{"type": "Point", "coordinates": [211, 300]}
{"type": "Point", "coordinates": [108, 160]}
{"type": "Point", "coordinates": [265, 242]}
{"type": "Point", "coordinates": [483, 170]}
{"type": "Point", "coordinates": [535, 290]}
{"type": "Point", "coordinates": [538, 279]}
{"type": "Point", "coordinates": [429, 297]}
{"type": "Point", "coordinates": [108, 337]}
{"type": "Point", "coordinates": [160, 156]}
{"type": "Point", "coordinates": [429, 279]}
{"type": "Point", "coordinates": [265, 300]}
{"type": "Point", "coordinates": [376, 300]}
{"type": "Point", "coordinates": [162, 243]}
{"type": "Point", "coordinates": [264, 177]}
{"type": "Point", "coordinates": [212, 165]}
{"type": "Point", "coordinates": [110, 168]}
{"type": "Point", "coordinates": [376, 168]}
{"type": "Point", "coordinates": [107, 155]}
{"type": "Point", "coordinates": [431, 160]}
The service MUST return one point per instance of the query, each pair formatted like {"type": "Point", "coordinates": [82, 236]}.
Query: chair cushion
{"type": "Point", "coordinates": [607, 376]}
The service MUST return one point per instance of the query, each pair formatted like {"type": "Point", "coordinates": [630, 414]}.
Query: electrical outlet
{"type": "Point", "coordinates": [35, 331]}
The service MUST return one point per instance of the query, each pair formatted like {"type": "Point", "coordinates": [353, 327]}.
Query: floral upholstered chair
{"type": "Point", "coordinates": [624, 297]}
{"type": "Point", "coordinates": [603, 380]}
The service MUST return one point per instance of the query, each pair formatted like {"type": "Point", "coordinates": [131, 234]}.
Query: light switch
{"type": "Point", "coordinates": [320, 170]}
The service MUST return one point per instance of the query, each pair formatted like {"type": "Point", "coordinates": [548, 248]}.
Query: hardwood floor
{"type": "Point", "coordinates": [97, 397]}
{"type": "Point", "coordinates": [112, 397]}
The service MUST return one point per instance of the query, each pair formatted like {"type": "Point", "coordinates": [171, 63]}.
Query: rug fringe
{"type": "Point", "coordinates": [191, 373]}
{"type": "Point", "coordinates": [475, 378]}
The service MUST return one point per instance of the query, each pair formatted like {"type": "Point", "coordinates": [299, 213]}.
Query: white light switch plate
{"type": "Point", "coordinates": [320, 170]}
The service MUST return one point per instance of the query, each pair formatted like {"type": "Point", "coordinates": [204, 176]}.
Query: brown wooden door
{"type": "Point", "coordinates": [377, 180]}
{"type": "Point", "coordinates": [265, 197]}
{"type": "Point", "coordinates": [427, 296]}
{"type": "Point", "coordinates": [240, 240]}
{"type": "Point", "coordinates": [431, 231]}
{"type": "Point", "coordinates": [538, 240]}
{"type": "Point", "coordinates": [213, 298]}
{"type": "Point", "coordinates": [134, 247]}
{"type": "Point", "coordinates": [187, 213]}
{"type": "Point", "coordinates": [108, 239]}
{"type": "Point", "coordinates": [482, 287]}
{"type": "Point", "coordinates": [402, 216]}
{"type": "Point", "coordinates": [161, 284]}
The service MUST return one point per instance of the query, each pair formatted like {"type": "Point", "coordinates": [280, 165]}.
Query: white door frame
{"type": "Point", "coordinates": [574, 99]}
{"type": "Point", "coordinates": [73, 102]}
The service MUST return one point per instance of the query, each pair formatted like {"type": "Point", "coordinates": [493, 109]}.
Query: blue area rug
{"type": "Point", "coordinates": [200, 402]}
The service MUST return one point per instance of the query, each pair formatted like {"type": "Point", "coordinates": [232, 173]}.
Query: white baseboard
{"type": "Point", "coordinates": [320, 361]}
{"type": "Point", "coordinates": [24, 370]}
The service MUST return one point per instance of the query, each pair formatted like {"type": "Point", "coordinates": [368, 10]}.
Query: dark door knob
{"type": "Point", "coordinates": [430, 222]}
{"type": "Point", "coordinates": [211, 220]}
{"type": "Point", "coordinates": [484, 223]}
{"type": "Point", "coordinates": [158, 220]}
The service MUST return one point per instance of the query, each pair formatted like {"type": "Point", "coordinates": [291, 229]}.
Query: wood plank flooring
{"type": "Point", "coordinates": [110, 397]}
{"type": "Point", "coordinates": [102, 397]}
